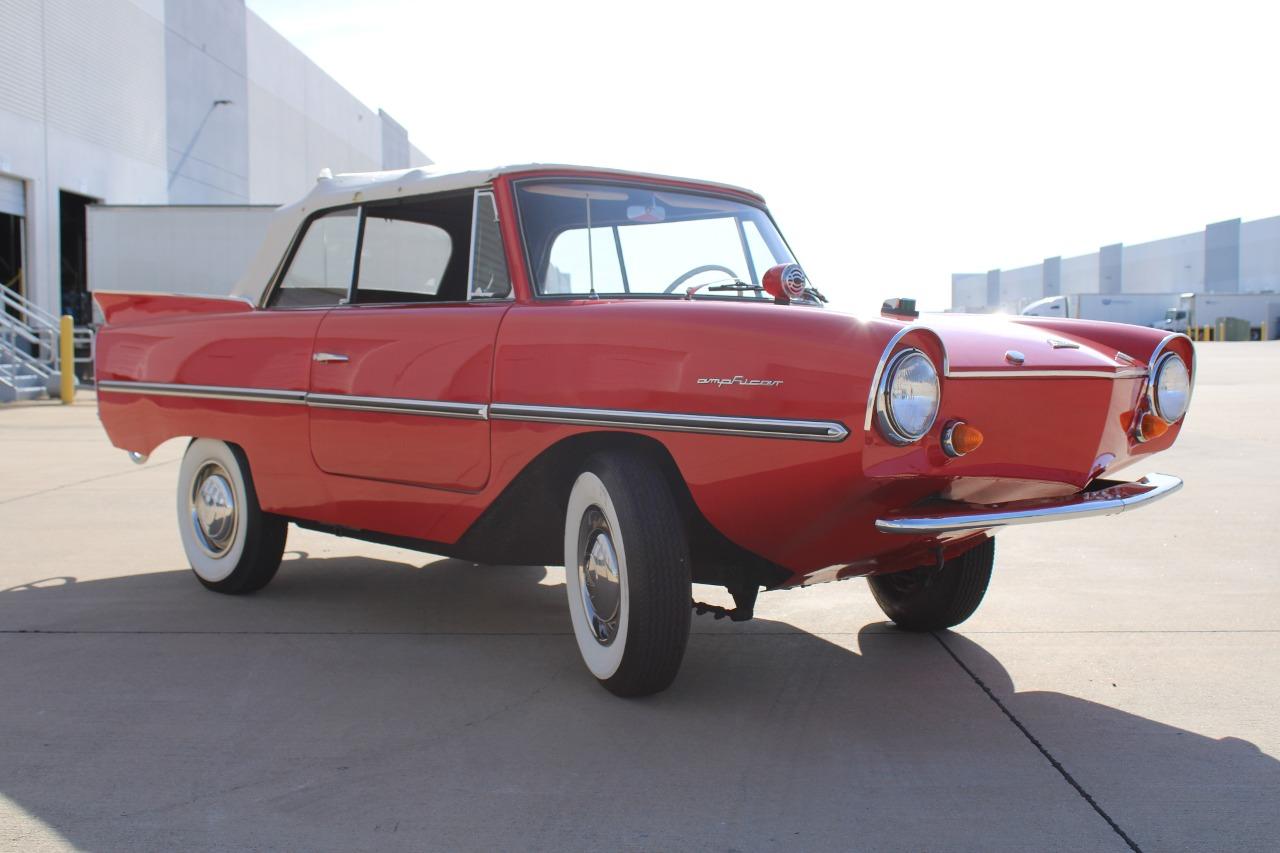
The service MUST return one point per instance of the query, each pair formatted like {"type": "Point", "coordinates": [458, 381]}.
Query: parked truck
{"type": "Point", "coordinates": [1137, 309]}
{"type": "Point", "coordinates": [1197, 310]}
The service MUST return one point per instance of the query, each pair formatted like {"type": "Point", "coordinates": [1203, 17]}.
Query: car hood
{"type": "Point", "coordinates": [999, 345]}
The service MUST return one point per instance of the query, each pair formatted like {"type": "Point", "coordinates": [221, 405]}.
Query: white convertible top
{"type": "Point", "coordinates": [338, 190]}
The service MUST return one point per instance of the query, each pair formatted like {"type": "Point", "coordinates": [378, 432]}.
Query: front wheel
{"type": "Point", "coordinates": [232, 545]}
{"type": "Point", "coordinates": [929, 598]}
{"type": "Point", "coordinates": [627, 574]}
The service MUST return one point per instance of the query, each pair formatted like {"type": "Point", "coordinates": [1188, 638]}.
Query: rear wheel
{"type": "Point", "coordinates": [929, 598]}
{"type": "Point", "coordinates": [232, 545]}
{"type": "Point", "coordinates": [627, 574]}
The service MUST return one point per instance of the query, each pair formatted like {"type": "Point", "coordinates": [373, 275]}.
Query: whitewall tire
{"type": "Point", "coordinates": [231, 544]}
{"type": "Point", "coordinates": [627, 574]}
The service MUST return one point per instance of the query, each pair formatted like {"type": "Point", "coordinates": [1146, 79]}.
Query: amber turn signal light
{"type": "Point", "coordinates": [959, 438]}
{"type": "Point", "coordinates": [1152, 427]}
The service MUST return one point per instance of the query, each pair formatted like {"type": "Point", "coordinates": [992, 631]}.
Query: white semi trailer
{"type": "Point", "coordinates": [1138, 309]}
{"type": "Point", "coordinates": [199, 249]}
{"type": "Point", "coordinates": [1197, 310]}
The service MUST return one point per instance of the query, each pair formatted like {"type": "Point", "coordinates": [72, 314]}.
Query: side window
{"type": "Point", "coordinates": [401, 260]}
{"type": "Point", "coordinates": [415, 250]}
{"type": "Point", "coordinates": [489, 278]}
{"type": "Point", "coordinates": [319, 274]}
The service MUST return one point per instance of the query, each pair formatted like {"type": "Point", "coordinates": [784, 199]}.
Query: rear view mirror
{"type": "Point", "coordinates": [646, 213]}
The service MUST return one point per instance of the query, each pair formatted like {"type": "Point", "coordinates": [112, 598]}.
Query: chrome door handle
{"type": "Point", "coordinates": [325, 357]}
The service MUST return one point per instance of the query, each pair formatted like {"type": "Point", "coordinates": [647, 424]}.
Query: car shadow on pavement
{"type": "Point", "coordinates": [362, 703]}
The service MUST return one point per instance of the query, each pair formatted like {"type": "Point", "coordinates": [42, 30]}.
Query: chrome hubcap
{"type": "Point", "coordinates": [598, 576]}
{"type": "Point", "coordinates": [214, 514]}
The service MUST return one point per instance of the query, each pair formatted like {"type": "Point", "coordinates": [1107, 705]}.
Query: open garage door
{"type": "Point", "coordinates": [13, 197]}
{"type": "Point", "coordinates": [76, 300]}
{"type": "Point", "coordinates": [13, 213]}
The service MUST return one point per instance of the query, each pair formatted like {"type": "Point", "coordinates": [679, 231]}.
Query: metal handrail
{"type": "Point", "coordinates": [19, 329]}
{"type": "Point", "coordinates": [17, 302]}
{"type": "Point", "coordinates": [38, 329]}
{"type": "Point", "coordinates": [13, 354]}
{"type": "Point", "coordinates": [35, 315]}
{"type": "Point", "coordinates": [86, 337]}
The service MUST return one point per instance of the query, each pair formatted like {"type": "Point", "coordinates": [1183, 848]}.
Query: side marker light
{"type": "Point", "coordinates": [1151, 427]}
{"type": "Point", "coordinates": [959, 438]}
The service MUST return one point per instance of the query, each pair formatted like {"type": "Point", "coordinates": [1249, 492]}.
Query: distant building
{"type": "Point", "coordinates": [1226, 257]}
{"type": "Point", "coordinates": [158, 102]}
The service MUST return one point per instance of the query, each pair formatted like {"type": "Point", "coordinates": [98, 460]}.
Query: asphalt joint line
{"type": "Point", "coordinates": [1055, 763]}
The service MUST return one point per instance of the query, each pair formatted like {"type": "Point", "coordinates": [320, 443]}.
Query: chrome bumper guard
{"type": "Point", "coordinates": [1102, 497]}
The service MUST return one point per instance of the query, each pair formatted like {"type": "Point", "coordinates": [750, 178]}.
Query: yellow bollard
{"type": "Point", "coordinates": [67, 358]}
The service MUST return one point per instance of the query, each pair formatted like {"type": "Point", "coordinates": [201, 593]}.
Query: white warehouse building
{"type": "Point", "coordinates": [1226, 257]}
{"type": "Point", "coordinates": [157, 102]}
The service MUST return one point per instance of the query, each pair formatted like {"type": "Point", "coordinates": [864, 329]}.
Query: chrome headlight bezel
{"type": "Point", "coordinates": [1163, 408]}
{"type": "Point", "coordinates": [891, 421]}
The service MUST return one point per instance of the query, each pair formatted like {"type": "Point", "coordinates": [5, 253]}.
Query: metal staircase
{"type": "Point", "coordinates": [29, 338]}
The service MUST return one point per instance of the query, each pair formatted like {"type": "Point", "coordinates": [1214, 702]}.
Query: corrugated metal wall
{"type": "Point", "coordinates": [20, 58]}
{"type": "Point", "coordinates": [101, 73]}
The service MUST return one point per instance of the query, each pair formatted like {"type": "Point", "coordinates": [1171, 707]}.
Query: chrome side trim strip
{"type": "Point", "coordinates": [712, 424]}
{"type": "Point", "coordinates": [1121, 373]}
{"type": "Point", "coordinates": [209, 392]}
{"type": "Point", "coordinates": [1112, 500]}
{"type": "Point", "coordinates": [672, 421]}
{"type": "Point", "coordinates": [395, 405]}
{"type": "Point", "coordinates": [399, 406]}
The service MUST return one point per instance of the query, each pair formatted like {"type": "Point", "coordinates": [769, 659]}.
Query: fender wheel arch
{"type": "Point", "coordinates": [508, 533]}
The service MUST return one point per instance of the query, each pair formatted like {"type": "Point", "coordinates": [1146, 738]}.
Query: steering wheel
{"type": "Point", "coordinates": [699, 271]}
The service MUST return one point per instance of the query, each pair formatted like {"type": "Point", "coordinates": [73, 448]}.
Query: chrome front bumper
{"type": "Point", "coordinates": [1103, 497]}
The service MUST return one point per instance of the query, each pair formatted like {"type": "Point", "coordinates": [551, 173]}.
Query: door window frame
{"type": "Point", "coordinates": [471, 260]}
{"type": "Point", "coordinates": [282, 269]}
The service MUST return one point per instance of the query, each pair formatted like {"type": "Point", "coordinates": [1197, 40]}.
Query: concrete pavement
{"type": "Point", "coordinates": [1117, 689]}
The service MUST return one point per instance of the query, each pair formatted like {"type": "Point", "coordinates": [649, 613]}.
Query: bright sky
{"type": "Point", "coordinates": [896, 142]}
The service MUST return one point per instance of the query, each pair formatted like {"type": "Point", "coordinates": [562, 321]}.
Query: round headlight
{"type": "Point", "coordinates": [1171, 388]}
{"type": "Point", "coordinates": [907, 403]}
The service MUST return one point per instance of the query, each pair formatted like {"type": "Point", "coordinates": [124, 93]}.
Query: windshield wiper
{"type": "Point", "coordinates": [732, 284]}
{"type": "Point", "coordinates": [739, 286]}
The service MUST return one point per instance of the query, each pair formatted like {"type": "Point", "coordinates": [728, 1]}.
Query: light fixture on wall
{"type": "Point", "coordinates": [221, 102]}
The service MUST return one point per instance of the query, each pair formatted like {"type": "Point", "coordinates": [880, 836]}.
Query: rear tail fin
{"type": "Point", "coordinates": [124, 309]}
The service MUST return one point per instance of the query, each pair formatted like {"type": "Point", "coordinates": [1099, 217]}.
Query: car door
{"type": "Point", "coordinates": [400, 378]}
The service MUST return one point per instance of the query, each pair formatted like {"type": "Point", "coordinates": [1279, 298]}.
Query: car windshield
{"type": "Point", "coordinates": [617, 239]}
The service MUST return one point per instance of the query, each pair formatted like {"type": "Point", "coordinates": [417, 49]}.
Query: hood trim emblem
{"type": "Point", "coordinates": [1061, 343]}
{"type": "Point", "coordinates": [739, 380]}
